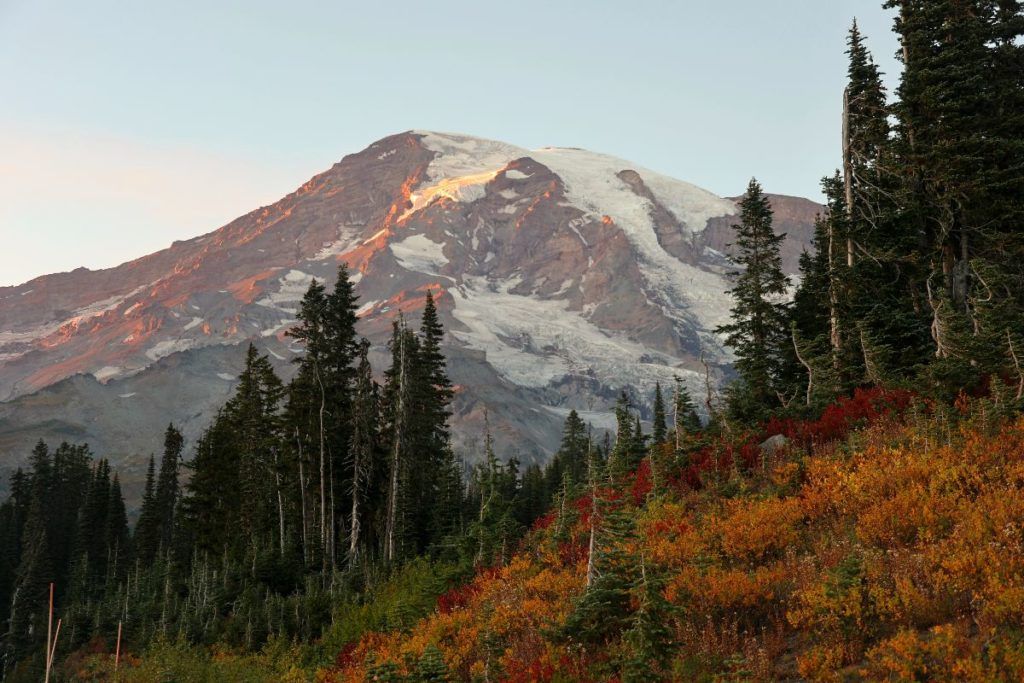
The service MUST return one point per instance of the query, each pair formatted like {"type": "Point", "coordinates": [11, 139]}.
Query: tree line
{"type": "Point", "coordinates": [299, 495]}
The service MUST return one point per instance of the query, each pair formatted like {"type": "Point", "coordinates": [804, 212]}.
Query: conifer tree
{"type": "Point", "coordinates": [234, 500]}
{"type": "Point", "coordinates": [342, 354]}
{"type": "Point", "coordinates": [117, 538]}
{"type": "Point", "coordinates": [757, 333]}
{"type": "Point", "coordinates": [685, 418]}
{"type": "Point", "coordinates": [660, 431]}
{"type": "Point", "coordinates": [147, 528]}
{"type": "Point", "coordinates": [254, 418]}
{"type": "Point", "coordinates": [571, 458]}
{"type": "Point", "coordinates": [27, 610]}
{"type": "Point", "coordinates": [13, 513]}
{"type": "Point", "coordinates": [431, 667]}
{"type": "Point", "coordinates": [364, 451]}
{"type": "Point", "coordinates": [638, 444]}
{"type": "Point", "coordinates": [212, 493]}
{"type": "Point", "coordinates": [438, 387]}
{"type": "Point", "coordinates": [68, 486]}
{"type": "Point", "coordinates": [960, 136]}
{"type": "Point", "coordinates": [603, 610]}
{"type": "Point", "coordinates": [448, 510]}
{"type": "Point", "coordinates": [649, 637]}
{"type": "Point", "coordinates": [308, 415]}
{"type": "Point", "coordinates": [621, 456]}
{"type": "Point", "coordinates": [166, 492]}
{"type": "Point", "coordinates": [495, 488]}
{"type": "Point", "coordinates": [432, 394]}
{"type": "Point", "coordinates": [399, 407]}
{"type": "Point", "coordinates": [92, 538]}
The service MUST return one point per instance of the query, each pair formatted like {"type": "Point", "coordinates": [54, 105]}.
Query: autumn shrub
{"type": "Point", "coordinates": [885, 543]}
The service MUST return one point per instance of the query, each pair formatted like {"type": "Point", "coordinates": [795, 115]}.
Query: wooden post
{"type": "Point", "coordinates": [51, 647]}
{"type": "Point", "coordinates": [49, 634]}
{"type": "Point", "coordinates": [117, 649]}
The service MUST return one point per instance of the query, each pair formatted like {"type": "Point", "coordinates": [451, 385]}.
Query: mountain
{"type": "Point", "coordinates": [562, 276]}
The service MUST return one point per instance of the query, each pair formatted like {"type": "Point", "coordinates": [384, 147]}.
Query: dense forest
{"type": "Point", "coordinates": [848, 508]}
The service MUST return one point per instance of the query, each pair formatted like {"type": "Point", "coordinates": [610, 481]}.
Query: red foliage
{"type": "Point", "coordinates": [457, 597]}
{"type": "Point", "coordinates": [571, 553]}
{"type": "Point", "coordinates": [544, 521]}
{"type": "Point", "coordinates": [840, 418]}
{"type": "Point", "coordinates": [346, 656]}
{"type": "Point", "coordinates": [836, 422]}
{"type": "Point", "coordinates": [583, 505]}
{"type": "Point", "coordinates": [669, 527]}
{"type": "Point", "coordinates": [641, 483]}
{"type": "Point", "coordinates": [534, 671]}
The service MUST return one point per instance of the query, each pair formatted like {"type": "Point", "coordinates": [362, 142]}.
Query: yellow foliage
{"type": "Point", "coordinates": [753, 530]}
{"type": "Point", "coordinates": [901, 561]}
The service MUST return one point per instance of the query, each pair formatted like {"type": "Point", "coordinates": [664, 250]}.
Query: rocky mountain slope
{"type": "Point", "coordinates": [563, 276]}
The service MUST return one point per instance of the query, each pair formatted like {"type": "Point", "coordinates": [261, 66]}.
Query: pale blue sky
{"type": "Point", "coordinates": [126, 125]}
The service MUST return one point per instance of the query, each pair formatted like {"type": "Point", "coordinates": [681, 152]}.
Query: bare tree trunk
{"type": "Point", "coordinates": [810, 370]}
{"type": "Point", "coordinates": [1016, 365]}
{"type": "Point", "coordinates": [280, 503]}
{"type": "Point", "coordinates": [592, 475]}
{"type": "Point", "coordinates": [302, 498]}
{"type": "Point", "coordinates": [353, 531]}
{"type": "Point", "coordinates": [484, 499]}
{"type": "Point", "coordinates": [871, 369]}
{"type": "Point", "coordinates": [938, 327]}
{"type": "Point", "coordinates": [835, 336]}
{"type": "Point", "coordinates": [675, 414]}
{"type": "Point", "coordinates": [561, 507]}
{"type": "Point", "coordinates": [332, 522]}
{"type": "Point", "coordinates": [392, 520]}
{"type": "Point", "coordinates": [593, 535]}
{"type": "Point", "coordinates": [708, 393]}
{"type": "Point", "coordinates": [848, 174]}
{"type": "Point", "coordinates": [323, 468]}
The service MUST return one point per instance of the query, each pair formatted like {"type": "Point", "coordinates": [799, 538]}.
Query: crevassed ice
{"type": "Point", "coordinates": [533, 342]}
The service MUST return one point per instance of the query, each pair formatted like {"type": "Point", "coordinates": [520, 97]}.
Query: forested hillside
{"type": "Point", "coordinates": [848, 509]}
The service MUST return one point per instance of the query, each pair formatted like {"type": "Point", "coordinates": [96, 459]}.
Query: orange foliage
{"type": "Point", "coordinates": [898, 557]}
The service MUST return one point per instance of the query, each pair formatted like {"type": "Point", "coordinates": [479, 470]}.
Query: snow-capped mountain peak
{"type": "Point", "coordinates": [563, 277]}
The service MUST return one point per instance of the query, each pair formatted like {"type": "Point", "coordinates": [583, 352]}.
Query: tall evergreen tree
{"type": "Point", "coordinates": [570, 460]}
{"type": "Point", "coordinates": [650, 637]}
{"type": "Point", "coordinates": [166, 492]}
{"type": "Point", "coordinates": [364, 454]}
{"type": "Point", "coordinates": [147, 528]}
{"type": "Point", "coordinates": [660, 431]}
{"type": "Point", "coordinates": [234, 500]}
{"type": "Point", "coordinates": [603, 611]}
{"type": "Point", "coordinates": [399, 394]}
{"type": "Point", "coordinates": [117, 539]}
{"type": "Point", "coordinates": [959, 142]}
{"type": "Point", "coordinates": [685, 418]}
{"type": "Point", "coordinates": [757, 333]}
{"type": "Point", "coordinates": [438, 388]}
{"type": "Point", "coordinates": [620, 459]}
{"type": "Point", "coordinates": [309, 420]}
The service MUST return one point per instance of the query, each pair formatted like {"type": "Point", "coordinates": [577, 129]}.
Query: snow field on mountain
{"type": "Point", "coordinates": [420, 254]}
{"type": "Point", "coordinates": [534, 342]}
{"type": "Point", "coordinates": [694, 297]}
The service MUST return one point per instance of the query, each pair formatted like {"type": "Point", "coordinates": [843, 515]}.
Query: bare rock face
{"type": "Point", "coordinates": [562, 277]}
